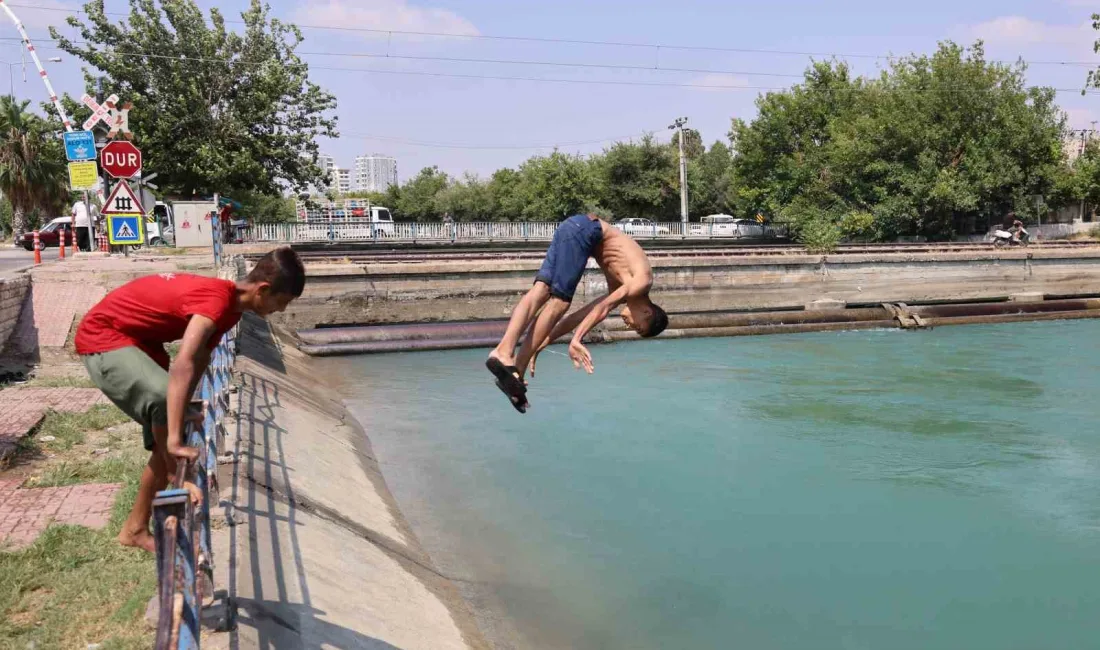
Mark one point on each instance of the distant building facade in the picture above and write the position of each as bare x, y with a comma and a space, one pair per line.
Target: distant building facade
375, 173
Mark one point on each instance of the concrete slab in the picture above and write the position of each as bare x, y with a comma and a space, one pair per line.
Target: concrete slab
320, 555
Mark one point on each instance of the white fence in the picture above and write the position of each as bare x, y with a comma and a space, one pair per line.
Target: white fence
1045, 231
365, 230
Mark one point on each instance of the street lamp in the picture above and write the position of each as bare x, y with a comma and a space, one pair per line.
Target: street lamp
11, 76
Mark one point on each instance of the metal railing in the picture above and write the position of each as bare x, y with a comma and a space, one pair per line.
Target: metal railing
185, 561
184, 554
385, 231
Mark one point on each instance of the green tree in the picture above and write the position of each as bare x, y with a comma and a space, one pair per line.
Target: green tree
709, 180
215, 110
1093, 80
32, 168
549, 188
933, 146
265, 208
639, 179
693, 144
5, 217
418, 198
468, 199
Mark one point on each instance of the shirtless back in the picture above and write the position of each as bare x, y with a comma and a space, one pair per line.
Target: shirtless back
622, 260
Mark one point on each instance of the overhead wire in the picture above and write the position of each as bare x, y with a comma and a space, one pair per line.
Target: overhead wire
604, 82
474, 147
574, 41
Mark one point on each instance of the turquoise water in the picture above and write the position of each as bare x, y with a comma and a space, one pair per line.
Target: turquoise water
837, 490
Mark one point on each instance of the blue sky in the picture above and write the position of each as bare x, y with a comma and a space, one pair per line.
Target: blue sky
400, 109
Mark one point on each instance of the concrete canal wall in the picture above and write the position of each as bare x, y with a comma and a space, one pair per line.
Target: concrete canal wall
340, 293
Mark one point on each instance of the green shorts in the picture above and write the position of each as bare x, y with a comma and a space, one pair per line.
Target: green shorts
135, 383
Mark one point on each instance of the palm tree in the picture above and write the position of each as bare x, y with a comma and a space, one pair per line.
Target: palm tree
32, 174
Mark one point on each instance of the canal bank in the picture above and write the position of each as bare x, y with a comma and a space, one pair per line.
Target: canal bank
319, 554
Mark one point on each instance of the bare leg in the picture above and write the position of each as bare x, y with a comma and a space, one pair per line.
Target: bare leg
522, 315
542, 327
135, 532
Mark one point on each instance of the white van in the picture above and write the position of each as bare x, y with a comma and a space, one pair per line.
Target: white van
715, 225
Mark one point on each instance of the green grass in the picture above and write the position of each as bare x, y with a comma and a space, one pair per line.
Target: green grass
69, 428
110, 470
76, 586
65, 381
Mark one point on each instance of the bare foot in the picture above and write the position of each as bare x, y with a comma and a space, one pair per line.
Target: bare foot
141, 539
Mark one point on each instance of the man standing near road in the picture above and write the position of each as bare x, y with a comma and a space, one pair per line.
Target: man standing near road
83, 225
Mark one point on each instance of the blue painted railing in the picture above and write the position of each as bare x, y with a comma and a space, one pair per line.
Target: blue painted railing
185, 559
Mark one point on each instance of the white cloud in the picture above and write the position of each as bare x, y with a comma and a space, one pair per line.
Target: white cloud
397, 15
721, 82
1019, 32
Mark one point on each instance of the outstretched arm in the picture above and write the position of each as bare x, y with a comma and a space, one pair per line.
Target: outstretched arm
570, 322
183, 377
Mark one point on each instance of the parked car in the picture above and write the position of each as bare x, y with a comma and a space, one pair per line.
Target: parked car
50, 235
715, 225
637, 226
749, 228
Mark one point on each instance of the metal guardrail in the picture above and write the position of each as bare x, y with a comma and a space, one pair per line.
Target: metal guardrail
184, 554
185, 561
366, 230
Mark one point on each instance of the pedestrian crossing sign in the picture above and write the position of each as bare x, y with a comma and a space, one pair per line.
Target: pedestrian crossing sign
125, 229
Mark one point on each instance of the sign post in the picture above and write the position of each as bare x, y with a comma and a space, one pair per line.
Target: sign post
119, 159
125, 217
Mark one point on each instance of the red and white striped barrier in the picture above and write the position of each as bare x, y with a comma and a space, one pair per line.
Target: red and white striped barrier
37, 249
41, 70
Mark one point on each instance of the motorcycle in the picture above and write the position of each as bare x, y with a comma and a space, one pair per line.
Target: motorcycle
1003, 238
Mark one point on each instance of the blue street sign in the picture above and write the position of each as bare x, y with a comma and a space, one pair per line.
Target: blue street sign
80, 145
125, 229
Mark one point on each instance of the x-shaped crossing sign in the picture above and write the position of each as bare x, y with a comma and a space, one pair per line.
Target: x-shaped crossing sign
118, 119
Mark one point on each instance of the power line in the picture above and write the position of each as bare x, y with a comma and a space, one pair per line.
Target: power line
442, 145
600, 82
572, 41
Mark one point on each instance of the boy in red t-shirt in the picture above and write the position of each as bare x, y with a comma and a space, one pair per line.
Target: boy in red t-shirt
121, 341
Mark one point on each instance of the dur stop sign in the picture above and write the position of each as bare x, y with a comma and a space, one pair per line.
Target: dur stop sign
120, 159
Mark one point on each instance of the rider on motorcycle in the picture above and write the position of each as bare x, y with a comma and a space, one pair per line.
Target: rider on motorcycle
1019, 233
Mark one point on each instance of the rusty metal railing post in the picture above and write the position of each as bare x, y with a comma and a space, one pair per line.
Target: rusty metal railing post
185, 561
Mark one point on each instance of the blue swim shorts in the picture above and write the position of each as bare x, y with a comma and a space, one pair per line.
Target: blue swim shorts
568, 255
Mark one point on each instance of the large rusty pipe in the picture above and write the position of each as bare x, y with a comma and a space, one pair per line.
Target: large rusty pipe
405, 332
488, 329
485, 334
409, 345
752, 330
992, 319
981, 309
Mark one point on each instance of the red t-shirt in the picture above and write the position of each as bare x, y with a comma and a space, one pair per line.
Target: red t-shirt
151, 311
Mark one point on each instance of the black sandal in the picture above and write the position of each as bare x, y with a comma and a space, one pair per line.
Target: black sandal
509, 383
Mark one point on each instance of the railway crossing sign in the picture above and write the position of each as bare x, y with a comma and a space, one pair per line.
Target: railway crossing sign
122, 201
120, 159
79, 146
116, 118
125, 229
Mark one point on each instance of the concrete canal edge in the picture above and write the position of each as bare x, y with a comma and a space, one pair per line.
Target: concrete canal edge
314, 551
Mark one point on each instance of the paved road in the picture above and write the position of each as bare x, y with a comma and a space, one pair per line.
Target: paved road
12, 258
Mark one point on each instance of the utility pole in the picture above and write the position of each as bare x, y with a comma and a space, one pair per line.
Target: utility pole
678, 125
